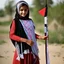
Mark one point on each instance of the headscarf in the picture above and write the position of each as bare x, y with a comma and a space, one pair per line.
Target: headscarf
17, 15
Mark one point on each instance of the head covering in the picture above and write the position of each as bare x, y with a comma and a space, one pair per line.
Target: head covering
18, 5
21, 3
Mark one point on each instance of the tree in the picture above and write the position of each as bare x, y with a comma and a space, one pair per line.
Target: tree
60, 13
35, 15
9, 8
2, 14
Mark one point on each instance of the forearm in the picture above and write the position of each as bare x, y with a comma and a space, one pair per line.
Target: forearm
23, 40
17, 38
14, 37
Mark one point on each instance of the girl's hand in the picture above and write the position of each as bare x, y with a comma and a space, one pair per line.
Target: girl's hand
29, 42
43, 37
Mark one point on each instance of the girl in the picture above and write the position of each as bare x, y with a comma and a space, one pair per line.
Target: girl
23, 36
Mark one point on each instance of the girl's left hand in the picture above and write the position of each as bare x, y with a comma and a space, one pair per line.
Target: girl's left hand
43, 37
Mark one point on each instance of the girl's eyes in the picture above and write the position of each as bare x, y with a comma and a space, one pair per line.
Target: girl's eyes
23, 9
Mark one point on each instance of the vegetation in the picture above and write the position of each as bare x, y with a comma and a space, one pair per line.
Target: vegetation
60, 13
2, 13
56, 37
57, 12
4, 23
4, 32
9, 8
2, 42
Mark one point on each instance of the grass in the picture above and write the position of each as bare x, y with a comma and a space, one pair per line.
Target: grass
5, 23
56, 37
3, 32
2, 42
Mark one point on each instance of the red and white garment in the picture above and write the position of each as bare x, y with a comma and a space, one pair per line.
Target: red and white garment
27, 55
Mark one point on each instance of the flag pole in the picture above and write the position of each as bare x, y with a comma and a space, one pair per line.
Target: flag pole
44, 12
46, 34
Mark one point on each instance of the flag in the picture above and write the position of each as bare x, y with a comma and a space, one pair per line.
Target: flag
42, 11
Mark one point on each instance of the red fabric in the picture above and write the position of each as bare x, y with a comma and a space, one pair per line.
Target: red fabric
14, 59
28, 59
12, 32
42, 11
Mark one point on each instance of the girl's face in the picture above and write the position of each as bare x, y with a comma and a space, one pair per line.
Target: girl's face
23, 11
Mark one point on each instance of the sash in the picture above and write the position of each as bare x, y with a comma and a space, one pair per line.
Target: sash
29, 29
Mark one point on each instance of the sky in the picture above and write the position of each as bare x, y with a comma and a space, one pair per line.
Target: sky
2, 2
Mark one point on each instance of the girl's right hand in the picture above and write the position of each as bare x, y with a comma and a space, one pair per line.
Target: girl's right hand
30, 42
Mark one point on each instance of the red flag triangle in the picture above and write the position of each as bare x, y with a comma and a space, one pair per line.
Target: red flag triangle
42, 11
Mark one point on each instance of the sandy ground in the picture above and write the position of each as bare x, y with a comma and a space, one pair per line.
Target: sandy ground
56, 52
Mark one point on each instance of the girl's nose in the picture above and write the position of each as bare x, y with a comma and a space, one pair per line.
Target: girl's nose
23, 11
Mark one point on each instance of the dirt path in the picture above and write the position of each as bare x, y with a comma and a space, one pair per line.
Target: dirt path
56, 54
6, 51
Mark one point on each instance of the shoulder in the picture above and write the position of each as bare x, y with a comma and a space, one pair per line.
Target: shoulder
12, 23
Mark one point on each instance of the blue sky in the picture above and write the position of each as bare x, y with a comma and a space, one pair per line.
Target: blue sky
2, 2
